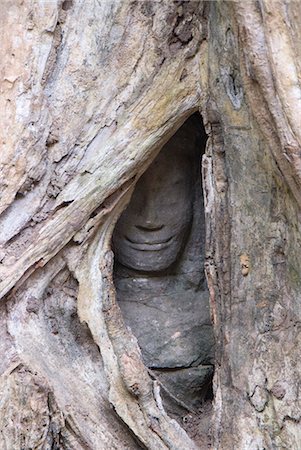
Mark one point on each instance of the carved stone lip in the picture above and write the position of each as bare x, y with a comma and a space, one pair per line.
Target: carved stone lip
149, 246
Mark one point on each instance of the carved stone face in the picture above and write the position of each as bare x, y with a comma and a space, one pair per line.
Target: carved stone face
153, 229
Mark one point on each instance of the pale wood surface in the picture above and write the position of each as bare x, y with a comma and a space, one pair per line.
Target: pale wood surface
90, 91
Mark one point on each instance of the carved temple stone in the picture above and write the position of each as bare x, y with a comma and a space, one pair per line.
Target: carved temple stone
159, 275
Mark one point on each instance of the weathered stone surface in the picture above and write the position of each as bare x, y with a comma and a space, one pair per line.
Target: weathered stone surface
190, 386
166, 305
170, 320
152, 232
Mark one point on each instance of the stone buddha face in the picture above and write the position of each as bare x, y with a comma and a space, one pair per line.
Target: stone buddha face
153, 229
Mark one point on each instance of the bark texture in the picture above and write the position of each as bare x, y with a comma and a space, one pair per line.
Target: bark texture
91, 91
253, 189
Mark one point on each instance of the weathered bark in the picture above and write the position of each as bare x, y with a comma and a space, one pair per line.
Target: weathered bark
253, 192
90, 93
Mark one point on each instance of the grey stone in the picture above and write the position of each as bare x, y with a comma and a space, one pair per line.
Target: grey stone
159, 275
153, 229
189, 386
171, 321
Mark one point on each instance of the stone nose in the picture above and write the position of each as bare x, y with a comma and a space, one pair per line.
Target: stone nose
150, 218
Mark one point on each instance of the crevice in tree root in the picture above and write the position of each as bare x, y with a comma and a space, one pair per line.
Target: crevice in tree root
72, 428
173, 397
67, 4
134, 436
288, 418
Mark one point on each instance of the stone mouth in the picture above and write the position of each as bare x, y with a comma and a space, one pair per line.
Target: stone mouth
149, 245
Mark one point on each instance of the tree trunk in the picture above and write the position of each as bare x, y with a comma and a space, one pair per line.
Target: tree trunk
91, 91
